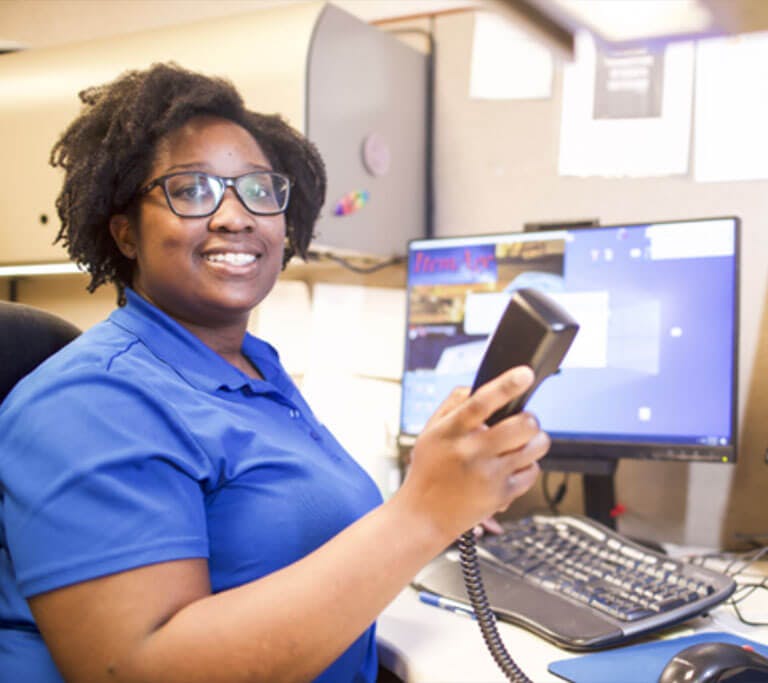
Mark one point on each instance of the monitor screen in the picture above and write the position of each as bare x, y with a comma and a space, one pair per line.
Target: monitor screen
652, 372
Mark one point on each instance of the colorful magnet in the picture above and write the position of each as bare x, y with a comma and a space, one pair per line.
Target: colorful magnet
351, 202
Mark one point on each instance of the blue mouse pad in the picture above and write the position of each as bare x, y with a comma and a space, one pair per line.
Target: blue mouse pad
642, 663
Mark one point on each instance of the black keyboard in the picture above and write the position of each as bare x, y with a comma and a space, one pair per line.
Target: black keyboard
580, 584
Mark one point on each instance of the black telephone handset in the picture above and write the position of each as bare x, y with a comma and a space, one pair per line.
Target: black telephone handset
533, 331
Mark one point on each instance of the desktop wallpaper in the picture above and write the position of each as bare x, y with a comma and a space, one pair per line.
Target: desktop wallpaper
654, 357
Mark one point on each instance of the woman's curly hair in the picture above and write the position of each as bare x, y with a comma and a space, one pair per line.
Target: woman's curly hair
108, 150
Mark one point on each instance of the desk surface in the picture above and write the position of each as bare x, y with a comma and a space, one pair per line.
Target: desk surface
425, 644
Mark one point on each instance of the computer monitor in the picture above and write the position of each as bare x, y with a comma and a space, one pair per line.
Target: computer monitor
653, 371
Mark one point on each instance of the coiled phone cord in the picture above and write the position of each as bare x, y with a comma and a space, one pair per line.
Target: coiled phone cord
486, 619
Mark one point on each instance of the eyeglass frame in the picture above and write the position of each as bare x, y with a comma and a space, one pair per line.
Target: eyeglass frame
226, 182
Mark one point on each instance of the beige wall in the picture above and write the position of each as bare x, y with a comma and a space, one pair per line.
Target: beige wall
66, 296
504, 156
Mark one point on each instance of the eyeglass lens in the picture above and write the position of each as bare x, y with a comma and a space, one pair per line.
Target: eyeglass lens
199, 194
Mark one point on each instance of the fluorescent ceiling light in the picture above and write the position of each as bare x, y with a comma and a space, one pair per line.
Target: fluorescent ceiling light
39, 269
632, 23
630, 20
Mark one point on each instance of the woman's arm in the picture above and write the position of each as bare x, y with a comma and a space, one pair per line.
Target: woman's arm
161, 623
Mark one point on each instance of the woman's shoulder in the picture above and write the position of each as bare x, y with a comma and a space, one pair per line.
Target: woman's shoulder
98, 350
103, 354
103, 387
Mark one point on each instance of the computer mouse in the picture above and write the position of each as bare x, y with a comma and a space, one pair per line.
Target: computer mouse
716, 662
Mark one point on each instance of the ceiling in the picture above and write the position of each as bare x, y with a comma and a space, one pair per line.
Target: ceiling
43, 23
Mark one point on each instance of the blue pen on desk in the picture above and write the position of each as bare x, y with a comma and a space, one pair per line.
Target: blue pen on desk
446, 604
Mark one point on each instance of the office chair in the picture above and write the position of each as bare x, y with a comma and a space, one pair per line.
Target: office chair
28, 336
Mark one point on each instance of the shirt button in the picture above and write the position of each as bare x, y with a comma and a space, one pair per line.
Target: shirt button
315, 435
293, 413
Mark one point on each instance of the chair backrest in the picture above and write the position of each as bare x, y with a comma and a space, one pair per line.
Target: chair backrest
28, 336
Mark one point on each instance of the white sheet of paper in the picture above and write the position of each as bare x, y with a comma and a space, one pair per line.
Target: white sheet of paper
506, 63
358, 330
363, 414
283, 319
628, 147
731, 108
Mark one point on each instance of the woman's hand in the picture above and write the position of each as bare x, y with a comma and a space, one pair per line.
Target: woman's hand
489, 525
463, 471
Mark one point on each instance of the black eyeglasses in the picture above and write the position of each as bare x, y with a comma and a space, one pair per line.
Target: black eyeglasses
193, 194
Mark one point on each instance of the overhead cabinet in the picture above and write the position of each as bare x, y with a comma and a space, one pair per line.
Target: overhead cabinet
355, 90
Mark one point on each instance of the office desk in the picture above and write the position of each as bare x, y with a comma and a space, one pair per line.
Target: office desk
425, 644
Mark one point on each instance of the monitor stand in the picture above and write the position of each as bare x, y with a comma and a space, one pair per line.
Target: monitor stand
597, 483
598, 488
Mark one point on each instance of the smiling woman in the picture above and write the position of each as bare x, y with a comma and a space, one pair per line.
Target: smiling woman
109, 154
206, 262
172, 509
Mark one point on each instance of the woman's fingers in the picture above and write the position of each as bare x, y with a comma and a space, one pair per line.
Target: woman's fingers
453, 400
531, 452
520, 468
463, 471
510, 434
519, 482
489, 524
474, 411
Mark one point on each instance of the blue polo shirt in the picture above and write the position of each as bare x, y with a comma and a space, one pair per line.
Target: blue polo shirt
138, 444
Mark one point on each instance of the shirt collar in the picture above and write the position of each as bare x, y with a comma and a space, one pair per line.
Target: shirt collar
200, 365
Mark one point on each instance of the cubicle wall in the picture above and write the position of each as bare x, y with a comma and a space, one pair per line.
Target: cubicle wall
497, 169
